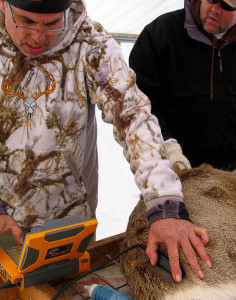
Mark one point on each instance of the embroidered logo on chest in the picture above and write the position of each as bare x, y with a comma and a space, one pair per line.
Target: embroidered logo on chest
30, 103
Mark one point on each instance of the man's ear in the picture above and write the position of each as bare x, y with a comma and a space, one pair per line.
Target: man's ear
2, 6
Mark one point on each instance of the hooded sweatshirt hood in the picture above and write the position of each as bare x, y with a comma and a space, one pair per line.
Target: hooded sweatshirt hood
195, 29
75, 15
229, 36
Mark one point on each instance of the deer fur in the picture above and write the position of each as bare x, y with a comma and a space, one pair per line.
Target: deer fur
210, 197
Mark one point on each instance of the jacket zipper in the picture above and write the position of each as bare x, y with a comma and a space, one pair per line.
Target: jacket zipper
220, 61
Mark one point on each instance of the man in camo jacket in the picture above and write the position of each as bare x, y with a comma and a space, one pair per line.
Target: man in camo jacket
56, 65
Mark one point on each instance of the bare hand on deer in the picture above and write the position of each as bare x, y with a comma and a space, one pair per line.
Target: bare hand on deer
9, 224
177, 233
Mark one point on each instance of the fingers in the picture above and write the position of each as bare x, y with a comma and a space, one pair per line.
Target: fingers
177, 234
196, 243
202, 232
152, 245
199, 244
190, 255
9, 224
173, 254
151, 251
17, 233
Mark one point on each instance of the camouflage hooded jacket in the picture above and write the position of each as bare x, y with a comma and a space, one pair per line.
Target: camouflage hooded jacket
48, 166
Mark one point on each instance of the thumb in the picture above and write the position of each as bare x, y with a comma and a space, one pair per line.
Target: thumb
17, 233
202, 232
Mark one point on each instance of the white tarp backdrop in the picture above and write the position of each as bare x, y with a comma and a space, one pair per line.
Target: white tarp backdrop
118, 193
129, 16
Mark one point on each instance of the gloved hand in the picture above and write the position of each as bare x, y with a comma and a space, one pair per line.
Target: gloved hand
176, 157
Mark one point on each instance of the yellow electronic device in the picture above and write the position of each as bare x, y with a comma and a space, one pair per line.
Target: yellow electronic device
54, 250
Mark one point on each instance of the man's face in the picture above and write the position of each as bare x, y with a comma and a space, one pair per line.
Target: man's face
215, 19
36, 43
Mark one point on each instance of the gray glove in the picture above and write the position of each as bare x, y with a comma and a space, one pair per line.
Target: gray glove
176, 157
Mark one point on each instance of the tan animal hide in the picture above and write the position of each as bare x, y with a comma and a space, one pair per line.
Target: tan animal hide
210, 197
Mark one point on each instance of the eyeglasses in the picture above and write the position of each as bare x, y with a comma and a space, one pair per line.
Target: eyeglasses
223, 4
34, 31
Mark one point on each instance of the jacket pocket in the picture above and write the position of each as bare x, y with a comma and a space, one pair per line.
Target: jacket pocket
41, 184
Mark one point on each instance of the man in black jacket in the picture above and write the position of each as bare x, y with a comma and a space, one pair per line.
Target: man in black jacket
185, 63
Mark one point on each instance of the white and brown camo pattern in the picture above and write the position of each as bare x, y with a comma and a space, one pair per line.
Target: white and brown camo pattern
52, 115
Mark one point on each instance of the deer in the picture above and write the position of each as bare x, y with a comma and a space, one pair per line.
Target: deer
210, 198
30, 103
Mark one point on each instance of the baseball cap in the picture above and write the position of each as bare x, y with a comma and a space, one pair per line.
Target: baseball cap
41, 6
232, 3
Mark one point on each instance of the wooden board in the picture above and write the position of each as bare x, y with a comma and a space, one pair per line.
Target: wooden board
110, 275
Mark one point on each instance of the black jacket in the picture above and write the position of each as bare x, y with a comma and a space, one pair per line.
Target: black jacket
174, 71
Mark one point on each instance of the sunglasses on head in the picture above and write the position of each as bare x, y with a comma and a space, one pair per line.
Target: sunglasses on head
223, 4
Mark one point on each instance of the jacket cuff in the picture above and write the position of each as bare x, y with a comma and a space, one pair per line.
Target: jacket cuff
170, 209
3, 210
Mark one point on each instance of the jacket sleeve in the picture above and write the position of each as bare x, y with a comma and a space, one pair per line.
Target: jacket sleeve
144, 60
113, 88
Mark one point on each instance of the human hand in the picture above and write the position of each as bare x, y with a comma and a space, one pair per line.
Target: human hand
9, 224
177, 233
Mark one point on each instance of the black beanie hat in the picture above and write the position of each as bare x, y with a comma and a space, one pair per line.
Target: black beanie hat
41, 6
